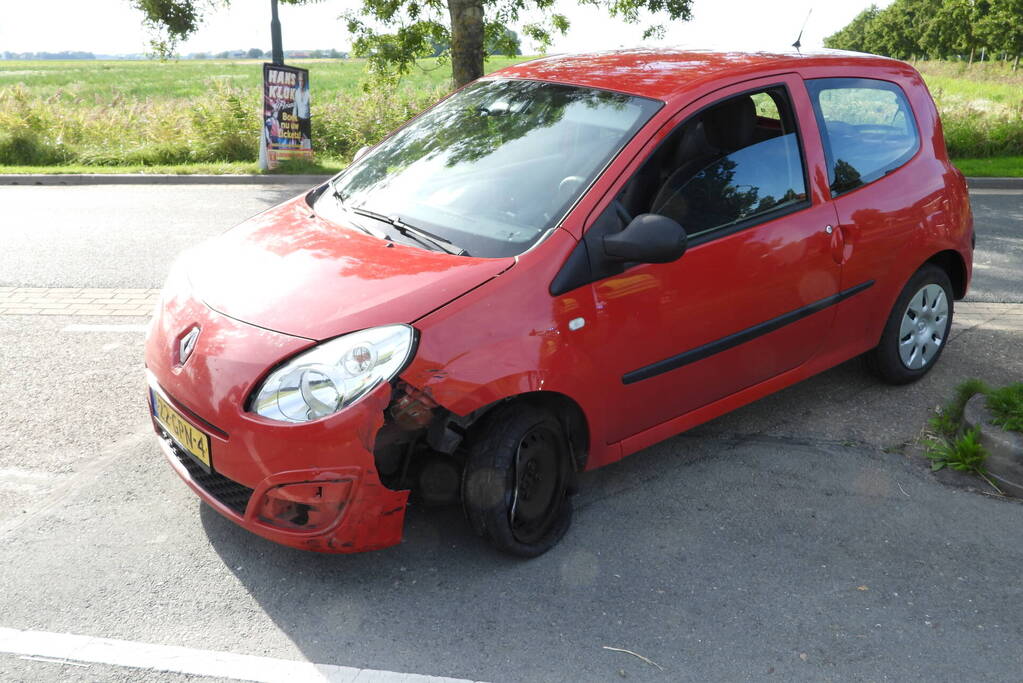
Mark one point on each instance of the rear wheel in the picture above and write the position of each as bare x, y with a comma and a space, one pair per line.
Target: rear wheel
515, 487
917, 328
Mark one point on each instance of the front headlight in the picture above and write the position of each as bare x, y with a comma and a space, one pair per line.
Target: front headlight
334, 375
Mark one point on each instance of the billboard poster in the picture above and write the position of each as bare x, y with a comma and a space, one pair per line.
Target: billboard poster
286, 119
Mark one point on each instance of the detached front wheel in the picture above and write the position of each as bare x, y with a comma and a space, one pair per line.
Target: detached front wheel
515, 487
917, 328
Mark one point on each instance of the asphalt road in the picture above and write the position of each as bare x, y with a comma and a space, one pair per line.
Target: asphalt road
793, 539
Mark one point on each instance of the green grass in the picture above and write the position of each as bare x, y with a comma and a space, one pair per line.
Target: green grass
201, 116
949, 418
996, 167
949, 445
981, 108
71, 114
320, 167
1006, 406
110, 82
961, 453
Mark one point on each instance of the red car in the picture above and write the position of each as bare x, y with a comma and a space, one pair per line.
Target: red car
556, 266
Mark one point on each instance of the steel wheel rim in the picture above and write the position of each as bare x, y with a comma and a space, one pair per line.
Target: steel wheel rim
923, 326
539, 484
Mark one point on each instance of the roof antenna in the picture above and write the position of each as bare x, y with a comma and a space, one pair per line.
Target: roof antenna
797, 44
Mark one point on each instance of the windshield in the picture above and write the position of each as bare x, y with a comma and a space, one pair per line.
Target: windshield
496, 165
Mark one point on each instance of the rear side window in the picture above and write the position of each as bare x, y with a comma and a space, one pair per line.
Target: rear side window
867, 129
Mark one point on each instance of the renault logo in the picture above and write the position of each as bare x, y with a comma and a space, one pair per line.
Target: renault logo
187, 344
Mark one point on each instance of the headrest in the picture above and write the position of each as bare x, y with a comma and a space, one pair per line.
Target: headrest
729, 126
693, 145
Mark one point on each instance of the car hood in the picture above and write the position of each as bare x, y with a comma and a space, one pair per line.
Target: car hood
291, 271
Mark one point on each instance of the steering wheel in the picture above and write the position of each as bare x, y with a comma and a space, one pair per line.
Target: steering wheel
569, 183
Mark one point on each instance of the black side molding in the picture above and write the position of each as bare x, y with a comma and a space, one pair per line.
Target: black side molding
741, 337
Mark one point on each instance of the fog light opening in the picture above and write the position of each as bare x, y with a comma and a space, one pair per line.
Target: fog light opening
306, 506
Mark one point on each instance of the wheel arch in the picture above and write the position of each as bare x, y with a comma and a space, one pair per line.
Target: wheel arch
568, 412
952, 262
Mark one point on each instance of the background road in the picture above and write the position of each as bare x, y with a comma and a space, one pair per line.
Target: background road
793, 538
126, 235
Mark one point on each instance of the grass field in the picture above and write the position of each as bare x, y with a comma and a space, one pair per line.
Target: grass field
101, 82
152, 114
981, 109
201, 116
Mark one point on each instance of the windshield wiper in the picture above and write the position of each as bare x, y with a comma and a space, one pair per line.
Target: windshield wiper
341, 202
416, 233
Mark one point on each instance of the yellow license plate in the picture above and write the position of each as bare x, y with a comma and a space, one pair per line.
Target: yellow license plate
194, 441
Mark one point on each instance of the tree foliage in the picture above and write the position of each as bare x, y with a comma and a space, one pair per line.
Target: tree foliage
171, 21
393, 34
935, 28
853, 35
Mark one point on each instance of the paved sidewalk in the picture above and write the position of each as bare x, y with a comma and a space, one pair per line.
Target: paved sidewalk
989, 316
77, 301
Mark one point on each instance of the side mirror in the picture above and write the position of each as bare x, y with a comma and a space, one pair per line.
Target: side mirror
648, 238
360, 153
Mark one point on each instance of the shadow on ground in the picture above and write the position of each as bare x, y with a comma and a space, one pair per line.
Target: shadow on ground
778, 539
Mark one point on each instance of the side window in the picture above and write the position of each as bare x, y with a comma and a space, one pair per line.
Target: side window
867, 128
734, 162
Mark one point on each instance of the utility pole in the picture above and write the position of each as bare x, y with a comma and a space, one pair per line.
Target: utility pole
277, 57
277, 47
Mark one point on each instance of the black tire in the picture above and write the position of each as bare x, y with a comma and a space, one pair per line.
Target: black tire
515, 485
885, 359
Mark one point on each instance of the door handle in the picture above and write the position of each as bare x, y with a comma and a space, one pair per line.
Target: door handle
838, 245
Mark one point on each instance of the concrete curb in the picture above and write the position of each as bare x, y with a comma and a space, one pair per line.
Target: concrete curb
1005, 449
995, 183
158, 179
301, 180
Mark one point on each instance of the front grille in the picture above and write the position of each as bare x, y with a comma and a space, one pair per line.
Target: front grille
227, 491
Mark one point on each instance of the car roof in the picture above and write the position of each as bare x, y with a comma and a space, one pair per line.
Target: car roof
663, 72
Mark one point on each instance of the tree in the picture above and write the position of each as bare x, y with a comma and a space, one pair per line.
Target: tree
254, 53
896, 30
1001, 28
853, 36
393, 34
936, 28
508, 44
949, 30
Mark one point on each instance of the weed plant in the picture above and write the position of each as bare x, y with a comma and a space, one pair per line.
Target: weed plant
1006, 406
949, 418
963, 453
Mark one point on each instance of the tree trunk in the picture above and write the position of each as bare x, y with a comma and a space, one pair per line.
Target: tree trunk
466, 40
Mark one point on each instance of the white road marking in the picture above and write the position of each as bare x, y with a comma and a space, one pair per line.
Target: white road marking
54, 661
184, 660
24, 481
106, 328
29, 475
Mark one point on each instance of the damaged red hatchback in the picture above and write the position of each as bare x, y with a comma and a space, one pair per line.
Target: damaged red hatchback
555, 267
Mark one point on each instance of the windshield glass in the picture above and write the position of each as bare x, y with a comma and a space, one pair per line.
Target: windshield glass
496, 165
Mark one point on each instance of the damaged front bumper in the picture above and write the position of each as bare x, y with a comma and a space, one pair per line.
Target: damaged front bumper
336, 508
313, 485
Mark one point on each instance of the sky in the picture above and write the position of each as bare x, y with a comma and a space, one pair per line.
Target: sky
113, 27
